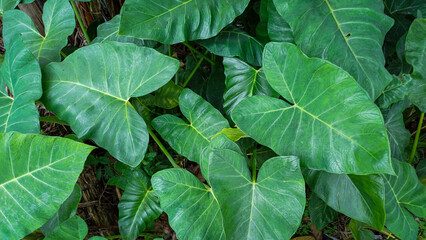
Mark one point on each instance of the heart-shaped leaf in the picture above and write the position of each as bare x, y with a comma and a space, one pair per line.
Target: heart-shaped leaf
404, 194
176, 21
278, 28
95, 99
138, 207
243, 81
320, 213
38, 174
21, 74
327, 119
233, 42
59, 23
189, 139
347, 33
193, 210
73, 228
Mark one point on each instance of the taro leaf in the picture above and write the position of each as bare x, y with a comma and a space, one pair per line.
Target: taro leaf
262, 26
190, 139
403, 7
168, 96
127, 174
216, 86
395, 91
404, 193
95, 99
278, 28
40, 170
415, 53
359, 197
66, 211
6, 5
174, 21
97, 238
270, 207
21, 74
193, 210
232, 42
233, 134
421, 171
108, 31
320, 213
138, 207
347, 33
399, 136
331, 123
74, 228
59, 23
358, 231
243, 81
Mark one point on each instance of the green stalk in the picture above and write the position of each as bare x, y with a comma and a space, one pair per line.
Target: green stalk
170, 50
77, 14
253, 165
63, 55
197, 52
163, 149
416, 139
193, 72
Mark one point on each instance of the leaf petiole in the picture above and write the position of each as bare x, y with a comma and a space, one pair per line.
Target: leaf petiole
83, 29
416, 139
197, 52
163, 149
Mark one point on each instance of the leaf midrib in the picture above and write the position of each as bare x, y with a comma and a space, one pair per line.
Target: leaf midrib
169, 10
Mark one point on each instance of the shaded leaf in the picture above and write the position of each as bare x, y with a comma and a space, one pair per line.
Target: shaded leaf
358, 231
421, 171
320, 213
395, 91
6, 5
278, 28
403, 7
74, 228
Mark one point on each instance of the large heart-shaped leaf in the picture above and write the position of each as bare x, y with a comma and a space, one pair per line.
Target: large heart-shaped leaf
415, 53
138, 207
320, 213
189, 139
21, 74
7, 5
243, 81
330, 123
347, 33
233, 42
269, 207
174, 21
193, 210
358, 197
38, 174
91, 89
404, 193
278, 28
59, 23
108, 31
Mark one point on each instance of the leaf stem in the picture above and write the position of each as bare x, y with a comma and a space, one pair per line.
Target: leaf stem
170, 50
63, 55
416, 139
193, 72
253, 165
163, 149
77, 14
197, 52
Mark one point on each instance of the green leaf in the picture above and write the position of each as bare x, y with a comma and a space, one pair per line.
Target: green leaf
399, 136
59, 23
358, 231
38, 174
243, 81
415, 53
233, 134
174, 21
189, 139
6, 5
108, 31
21, 74
168, 96
403, 7
320, 213
278, 28
97, 238
138, 207
192, 208
94, 99
395, 91
404, 193
359, 197
74, 228
270, 207
330, 123
127, 174
233, 42
421, 171
66, 211
347, 33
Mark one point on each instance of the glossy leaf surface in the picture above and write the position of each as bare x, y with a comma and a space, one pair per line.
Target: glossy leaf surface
278, 28
404, 194
6, 5
403, 7
138, 207
59, 23
243, 81
38, 174
329, 112
320, 213
174, 21
347, 33
233, 42
395, 91
193, 210
95, 99
21, 74
189, 139
72, 229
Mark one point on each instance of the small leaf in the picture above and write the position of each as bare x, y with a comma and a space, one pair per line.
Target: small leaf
168, 96
320, 213
6, 5
74, 228
234, 134
403, 7
278, 28
395, 91
358, 231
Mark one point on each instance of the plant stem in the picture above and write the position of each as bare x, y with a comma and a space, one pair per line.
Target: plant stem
253, 164
163, 149
63, 55
77, 14
416, 139
170, 50
193, 72
197, 52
